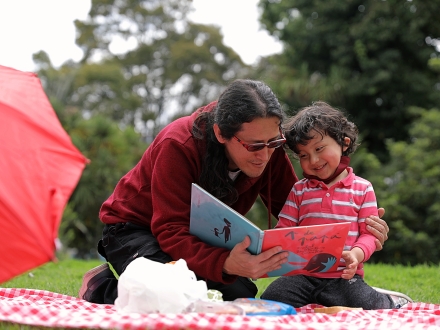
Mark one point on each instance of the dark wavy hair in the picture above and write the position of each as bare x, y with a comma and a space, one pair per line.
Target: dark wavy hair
323, 119
241, 102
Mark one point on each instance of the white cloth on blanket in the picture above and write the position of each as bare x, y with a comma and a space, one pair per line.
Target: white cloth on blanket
148, 286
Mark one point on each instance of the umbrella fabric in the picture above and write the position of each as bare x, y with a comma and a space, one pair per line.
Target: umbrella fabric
39, 168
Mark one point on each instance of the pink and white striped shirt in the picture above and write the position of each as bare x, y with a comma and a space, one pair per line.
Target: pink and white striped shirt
311, 202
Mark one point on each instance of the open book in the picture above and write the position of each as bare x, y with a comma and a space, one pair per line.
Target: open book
311, 248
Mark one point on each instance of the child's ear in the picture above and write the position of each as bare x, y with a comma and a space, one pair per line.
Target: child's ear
346, 143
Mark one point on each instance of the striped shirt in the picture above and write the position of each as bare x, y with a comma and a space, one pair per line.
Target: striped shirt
311, 202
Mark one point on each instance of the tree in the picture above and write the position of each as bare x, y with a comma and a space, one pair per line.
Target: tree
411, 194
57, 83
112, 152
110, 102
368, 57
172, 67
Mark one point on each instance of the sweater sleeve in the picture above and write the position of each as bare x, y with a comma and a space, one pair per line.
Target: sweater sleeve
174, 170
366, 240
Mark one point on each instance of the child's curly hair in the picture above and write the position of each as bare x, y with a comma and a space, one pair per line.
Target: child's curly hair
323, 119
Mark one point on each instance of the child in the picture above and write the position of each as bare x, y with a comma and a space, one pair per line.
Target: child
322, 138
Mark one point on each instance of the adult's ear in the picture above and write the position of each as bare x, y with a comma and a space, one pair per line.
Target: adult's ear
218, 134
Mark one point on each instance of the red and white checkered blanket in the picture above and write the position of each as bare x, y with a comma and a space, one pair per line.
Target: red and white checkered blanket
44, 308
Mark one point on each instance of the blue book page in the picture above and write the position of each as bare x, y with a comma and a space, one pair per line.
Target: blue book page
219, 225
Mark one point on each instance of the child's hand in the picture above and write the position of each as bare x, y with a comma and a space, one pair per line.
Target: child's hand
351, 263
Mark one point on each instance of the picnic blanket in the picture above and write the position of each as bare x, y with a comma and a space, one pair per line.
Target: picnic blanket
49, 309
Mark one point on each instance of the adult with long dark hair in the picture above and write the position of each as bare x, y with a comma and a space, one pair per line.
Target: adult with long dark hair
230, 148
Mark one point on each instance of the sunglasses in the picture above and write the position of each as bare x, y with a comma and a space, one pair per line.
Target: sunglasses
258, 146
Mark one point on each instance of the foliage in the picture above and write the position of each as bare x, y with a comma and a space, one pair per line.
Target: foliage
258, 214
57, 83
434, 64
112, 148
110, 101
172, 66
411, 195
368, 57
112, 153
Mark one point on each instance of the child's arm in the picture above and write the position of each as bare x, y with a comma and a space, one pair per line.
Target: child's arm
366, 240
365, 245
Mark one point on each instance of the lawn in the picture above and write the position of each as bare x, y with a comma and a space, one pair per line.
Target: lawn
421, 282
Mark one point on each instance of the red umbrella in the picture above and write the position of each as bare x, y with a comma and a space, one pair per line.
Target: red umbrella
39, 168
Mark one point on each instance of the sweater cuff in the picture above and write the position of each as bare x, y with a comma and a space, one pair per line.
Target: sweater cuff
228, 279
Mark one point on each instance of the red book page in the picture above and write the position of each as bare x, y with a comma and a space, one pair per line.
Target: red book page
312, 249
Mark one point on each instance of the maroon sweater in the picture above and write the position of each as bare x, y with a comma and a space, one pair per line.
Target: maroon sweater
156, 194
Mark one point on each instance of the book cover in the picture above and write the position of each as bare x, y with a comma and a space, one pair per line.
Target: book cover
216, 223
311, 248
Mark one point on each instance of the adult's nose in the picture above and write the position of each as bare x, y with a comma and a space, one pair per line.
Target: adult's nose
265, 153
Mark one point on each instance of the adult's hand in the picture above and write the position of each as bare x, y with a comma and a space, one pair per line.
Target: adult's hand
378, 228
240, 262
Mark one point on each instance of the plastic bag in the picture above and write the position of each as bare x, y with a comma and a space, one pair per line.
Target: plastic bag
151, 287
264, 307
242, 306
216, 307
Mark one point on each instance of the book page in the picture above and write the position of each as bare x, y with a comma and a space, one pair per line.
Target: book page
311, 249
219, 225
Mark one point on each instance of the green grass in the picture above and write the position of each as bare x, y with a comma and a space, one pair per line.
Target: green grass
421, 283
62, 277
